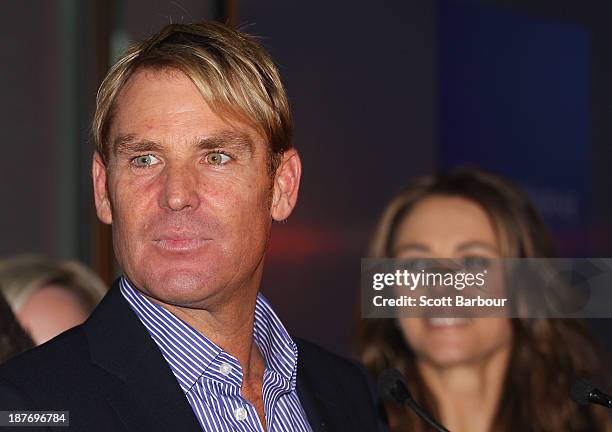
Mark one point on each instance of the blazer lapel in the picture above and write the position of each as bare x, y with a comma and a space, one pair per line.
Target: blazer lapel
321, 401
145, 395
313, 405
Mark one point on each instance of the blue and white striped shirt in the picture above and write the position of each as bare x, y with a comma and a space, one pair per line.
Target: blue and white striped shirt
211, 378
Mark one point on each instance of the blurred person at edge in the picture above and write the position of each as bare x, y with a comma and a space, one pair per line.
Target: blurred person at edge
480, 374
13, 338
49, 297
194, 162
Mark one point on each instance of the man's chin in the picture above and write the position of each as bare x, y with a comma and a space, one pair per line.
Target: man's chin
179, 286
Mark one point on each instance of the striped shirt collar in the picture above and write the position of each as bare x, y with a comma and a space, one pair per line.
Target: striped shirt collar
191, 355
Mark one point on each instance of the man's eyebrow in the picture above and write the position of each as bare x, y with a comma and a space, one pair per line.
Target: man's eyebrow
237, 141
131, 144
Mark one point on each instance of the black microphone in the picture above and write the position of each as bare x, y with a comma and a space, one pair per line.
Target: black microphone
584, 393
391, 385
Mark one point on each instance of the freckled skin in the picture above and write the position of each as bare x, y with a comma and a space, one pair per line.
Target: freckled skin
191, 223
228, 207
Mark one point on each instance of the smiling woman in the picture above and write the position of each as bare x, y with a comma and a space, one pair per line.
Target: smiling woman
479, 374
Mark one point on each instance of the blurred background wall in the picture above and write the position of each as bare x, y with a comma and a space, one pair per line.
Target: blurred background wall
382, 91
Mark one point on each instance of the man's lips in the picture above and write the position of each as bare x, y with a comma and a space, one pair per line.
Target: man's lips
180, 243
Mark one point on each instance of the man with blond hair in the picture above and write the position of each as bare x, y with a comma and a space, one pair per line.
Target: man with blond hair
193, 163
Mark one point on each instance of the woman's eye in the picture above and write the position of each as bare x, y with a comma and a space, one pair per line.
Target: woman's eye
145, 161
417, 264
476, 263
217, 158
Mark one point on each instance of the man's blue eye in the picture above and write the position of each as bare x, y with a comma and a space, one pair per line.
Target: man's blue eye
145, 161
217, 158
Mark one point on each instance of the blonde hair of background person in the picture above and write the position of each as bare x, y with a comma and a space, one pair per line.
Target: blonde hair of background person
49, 296
545, 356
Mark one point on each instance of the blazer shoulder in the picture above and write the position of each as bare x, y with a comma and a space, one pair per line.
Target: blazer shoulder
315, 356
340, 382
53, 363
56, 353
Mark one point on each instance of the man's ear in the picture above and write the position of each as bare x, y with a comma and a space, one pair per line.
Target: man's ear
286, 185
103, 205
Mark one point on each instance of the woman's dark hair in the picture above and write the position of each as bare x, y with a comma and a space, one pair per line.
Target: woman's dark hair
548, 355
13, 338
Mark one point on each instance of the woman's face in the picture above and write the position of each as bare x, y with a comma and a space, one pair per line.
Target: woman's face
450, 227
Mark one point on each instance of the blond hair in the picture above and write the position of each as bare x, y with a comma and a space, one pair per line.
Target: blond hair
23, 275
233, 72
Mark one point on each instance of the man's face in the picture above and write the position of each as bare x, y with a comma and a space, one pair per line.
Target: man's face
188, 193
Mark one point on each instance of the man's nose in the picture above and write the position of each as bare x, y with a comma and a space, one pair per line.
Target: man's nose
180, 188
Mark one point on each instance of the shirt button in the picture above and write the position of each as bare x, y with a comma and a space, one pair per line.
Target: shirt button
240, 414
225, 369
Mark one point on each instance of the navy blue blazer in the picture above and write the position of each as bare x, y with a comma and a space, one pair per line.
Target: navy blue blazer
111, 376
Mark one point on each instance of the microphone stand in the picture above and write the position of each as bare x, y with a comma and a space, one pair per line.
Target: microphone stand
392, 386
419, 411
